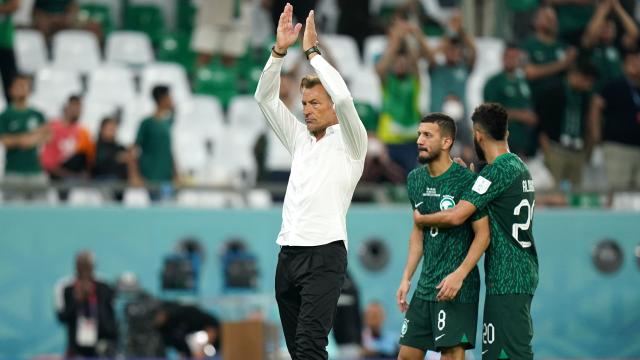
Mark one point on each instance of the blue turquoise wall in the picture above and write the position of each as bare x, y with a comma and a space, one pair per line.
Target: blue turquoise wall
577, 311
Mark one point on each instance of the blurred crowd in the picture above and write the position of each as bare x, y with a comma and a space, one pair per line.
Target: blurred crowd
568, 73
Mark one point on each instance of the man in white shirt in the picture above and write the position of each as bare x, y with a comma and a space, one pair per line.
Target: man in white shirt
328, 158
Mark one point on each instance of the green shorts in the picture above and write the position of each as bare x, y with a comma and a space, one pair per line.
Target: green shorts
507, 329
431, 325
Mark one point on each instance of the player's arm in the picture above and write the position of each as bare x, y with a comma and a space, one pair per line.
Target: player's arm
354, 135
279, 118
413, 259
455, 216
451, 284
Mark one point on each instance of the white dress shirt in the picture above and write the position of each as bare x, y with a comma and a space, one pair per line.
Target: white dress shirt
324, 173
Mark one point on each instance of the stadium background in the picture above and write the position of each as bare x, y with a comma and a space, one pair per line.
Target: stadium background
579, 311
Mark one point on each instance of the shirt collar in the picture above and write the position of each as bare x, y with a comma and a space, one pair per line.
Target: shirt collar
330, 130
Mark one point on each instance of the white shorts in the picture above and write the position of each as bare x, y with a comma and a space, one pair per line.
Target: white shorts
219, 39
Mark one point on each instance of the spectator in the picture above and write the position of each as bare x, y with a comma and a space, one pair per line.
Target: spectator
7, 57
70, 153
511, 90
112, 158
219, 31
376, 341
548, 57
152, 149
600, 37
22, 131
51, 16
85, 307
449, 80
573, 16
615, 120
177, 322
398, 72
564, 112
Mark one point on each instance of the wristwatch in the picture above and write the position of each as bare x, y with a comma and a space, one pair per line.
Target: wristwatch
313, 49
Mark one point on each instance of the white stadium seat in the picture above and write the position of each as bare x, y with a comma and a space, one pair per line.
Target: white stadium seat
129, 47
76, 50
374, 46
344, 50
111, 83
30, 50
202, 114
245, 117
93, 111
170, 74
365, 87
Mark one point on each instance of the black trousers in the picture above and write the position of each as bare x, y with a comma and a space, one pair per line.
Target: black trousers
7, 70
308, 283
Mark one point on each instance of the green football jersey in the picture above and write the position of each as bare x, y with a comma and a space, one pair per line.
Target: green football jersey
444, 249
19, 122
506, 190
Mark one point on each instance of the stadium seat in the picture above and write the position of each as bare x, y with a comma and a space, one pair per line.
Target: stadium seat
85, 197
259, 199
490, 52
97, 13
202, 114
133, 113
52, 88
374, 46
129, 47
30, 50
172, 75
93, 111
136, 197
111, 83
240, 163
146, 18
174, 47
344, 50
245, 117
278, 158
366, 88
217, 80
190, 151
208, 199
76, 50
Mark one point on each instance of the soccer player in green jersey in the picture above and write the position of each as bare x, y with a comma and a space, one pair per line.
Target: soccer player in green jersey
443, 312
505, 189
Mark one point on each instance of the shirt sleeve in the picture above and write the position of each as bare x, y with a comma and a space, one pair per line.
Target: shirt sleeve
353, 132
279, 117
489, 185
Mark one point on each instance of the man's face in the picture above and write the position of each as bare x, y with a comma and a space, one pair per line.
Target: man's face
20, 89
477, 139
430, 142
511, 59
109, 131
318, 109
374, 316
401, 65
73, 110
547, 22
452, 52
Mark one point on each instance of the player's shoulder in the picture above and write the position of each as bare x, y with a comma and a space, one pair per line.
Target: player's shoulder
462, 173
509, 166
416, 173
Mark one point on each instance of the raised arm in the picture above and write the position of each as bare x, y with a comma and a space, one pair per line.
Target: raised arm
353, 132
630, 38
280, 119
596, 25
537, 71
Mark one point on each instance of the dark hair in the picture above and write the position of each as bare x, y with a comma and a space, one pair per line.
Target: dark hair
511, 45
20, 76
445, 123
492, 118
74, 98
587, 68
159, 92
631, 52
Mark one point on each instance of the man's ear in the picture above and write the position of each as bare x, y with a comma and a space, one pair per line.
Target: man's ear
447, 143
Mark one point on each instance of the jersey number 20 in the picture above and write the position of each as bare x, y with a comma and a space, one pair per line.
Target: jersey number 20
525, 226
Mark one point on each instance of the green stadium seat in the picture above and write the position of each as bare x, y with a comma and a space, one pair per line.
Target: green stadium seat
174, 47
147, 19
250, 67
97, 13
186, 13
219, 81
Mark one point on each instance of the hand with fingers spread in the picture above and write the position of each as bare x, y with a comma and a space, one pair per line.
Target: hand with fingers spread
287, 33
449, 286
310, 38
